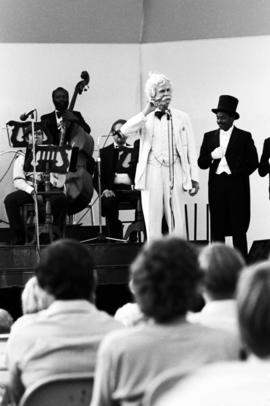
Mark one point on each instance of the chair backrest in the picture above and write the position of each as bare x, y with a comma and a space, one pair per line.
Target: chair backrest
3, 344
161, 385
60, 390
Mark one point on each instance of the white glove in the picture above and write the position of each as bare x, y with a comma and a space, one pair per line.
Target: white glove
217, 153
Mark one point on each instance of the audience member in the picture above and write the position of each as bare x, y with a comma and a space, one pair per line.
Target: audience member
165, 276
34, 298
221, 266
236, 383
6, 321
64, 337
130, 314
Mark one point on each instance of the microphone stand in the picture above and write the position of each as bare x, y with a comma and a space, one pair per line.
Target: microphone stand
35, 183
171, 166
100, 237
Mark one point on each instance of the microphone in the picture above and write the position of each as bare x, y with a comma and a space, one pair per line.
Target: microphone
119, 135
169, 114
25, 116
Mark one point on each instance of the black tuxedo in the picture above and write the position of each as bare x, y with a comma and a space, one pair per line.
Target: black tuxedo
50, 126
108, 162
229, 195
264, 167
109, 159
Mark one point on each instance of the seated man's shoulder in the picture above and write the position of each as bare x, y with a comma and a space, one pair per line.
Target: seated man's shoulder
222, 340
23, 329
104, 317
127, 339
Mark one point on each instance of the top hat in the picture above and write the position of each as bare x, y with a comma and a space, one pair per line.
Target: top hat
227, 104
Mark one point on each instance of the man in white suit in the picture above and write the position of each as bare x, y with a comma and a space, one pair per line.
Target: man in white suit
167, 163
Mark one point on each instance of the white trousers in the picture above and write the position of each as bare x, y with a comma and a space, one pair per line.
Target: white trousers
156, 200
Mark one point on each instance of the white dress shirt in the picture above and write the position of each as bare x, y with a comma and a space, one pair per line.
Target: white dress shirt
224, 138
218, 314
123, 178
159, 154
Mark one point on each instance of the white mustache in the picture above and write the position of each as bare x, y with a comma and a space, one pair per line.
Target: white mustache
165, 98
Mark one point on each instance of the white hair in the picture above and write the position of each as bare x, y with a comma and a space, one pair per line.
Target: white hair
154, 80
34, 298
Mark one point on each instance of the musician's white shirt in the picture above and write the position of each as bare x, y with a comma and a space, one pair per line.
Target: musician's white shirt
22, 180
59, 121
123, 178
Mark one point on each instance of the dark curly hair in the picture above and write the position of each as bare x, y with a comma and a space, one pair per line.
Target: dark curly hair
164, 277
66, 270
253, 302
119, 121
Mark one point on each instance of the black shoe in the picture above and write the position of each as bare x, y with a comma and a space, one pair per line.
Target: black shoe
133, 237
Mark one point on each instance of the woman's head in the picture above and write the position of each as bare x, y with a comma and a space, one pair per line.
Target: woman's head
66, 270
221, 266
253, 300
164, 278
34, 298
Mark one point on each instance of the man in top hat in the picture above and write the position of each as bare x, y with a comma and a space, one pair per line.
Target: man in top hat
231, 156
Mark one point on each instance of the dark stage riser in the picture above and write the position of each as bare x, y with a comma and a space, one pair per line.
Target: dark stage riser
112, 263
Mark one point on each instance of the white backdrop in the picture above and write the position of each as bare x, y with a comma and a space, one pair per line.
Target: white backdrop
29, 73
200, 71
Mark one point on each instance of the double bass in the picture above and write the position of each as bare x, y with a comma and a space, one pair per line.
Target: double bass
78, 181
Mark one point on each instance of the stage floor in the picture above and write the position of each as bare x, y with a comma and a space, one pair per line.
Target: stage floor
112, 261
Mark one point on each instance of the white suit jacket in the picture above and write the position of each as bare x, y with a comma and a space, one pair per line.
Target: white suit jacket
184, 142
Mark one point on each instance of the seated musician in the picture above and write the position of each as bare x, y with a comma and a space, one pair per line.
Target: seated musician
117, 170
24, 183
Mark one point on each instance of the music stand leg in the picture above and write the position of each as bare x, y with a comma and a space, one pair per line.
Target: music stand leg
101, 237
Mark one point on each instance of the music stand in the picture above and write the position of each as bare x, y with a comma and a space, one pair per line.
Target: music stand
48, 159
18, 132
18, 137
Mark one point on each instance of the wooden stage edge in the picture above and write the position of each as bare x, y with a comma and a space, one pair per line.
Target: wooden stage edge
112, 262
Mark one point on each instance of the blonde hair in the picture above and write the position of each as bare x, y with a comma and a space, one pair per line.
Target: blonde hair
34, 298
